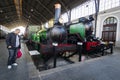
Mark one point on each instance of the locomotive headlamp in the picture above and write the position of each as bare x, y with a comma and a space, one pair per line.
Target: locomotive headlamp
61, 20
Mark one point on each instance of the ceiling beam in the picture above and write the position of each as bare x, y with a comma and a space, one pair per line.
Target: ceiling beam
50, 12
35, 10
8, 22
30, 19
31, 15
27, 20
63, 4
7, 13
11, 22
14, 24
18, 5
39, 14
6, 7
9, 17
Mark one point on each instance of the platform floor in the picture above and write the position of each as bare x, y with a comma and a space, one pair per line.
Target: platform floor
25, 69
102, 68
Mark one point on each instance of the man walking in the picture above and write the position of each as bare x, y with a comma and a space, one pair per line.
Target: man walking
13, 44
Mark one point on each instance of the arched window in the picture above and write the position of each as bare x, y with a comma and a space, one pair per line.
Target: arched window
109, 29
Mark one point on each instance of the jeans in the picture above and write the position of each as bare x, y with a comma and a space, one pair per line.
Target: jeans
12, 56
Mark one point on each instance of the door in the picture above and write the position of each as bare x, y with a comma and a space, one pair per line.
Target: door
109, 29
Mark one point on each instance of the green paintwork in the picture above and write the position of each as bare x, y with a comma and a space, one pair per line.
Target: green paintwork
40, 35
33, 36
43, 34
37, 39
78, 28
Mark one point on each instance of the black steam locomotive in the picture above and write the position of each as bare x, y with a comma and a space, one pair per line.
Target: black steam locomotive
70, 37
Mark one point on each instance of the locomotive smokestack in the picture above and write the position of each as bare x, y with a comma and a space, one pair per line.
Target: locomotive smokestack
57, 13
57, 33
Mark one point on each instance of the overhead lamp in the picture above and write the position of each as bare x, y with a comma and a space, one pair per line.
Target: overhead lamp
1, 11
6, 17
29, 16
31, 10
87, 5
28, 20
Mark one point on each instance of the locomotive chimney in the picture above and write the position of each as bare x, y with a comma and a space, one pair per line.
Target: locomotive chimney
57, 13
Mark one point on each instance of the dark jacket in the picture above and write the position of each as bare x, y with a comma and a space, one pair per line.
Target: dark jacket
11, 40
